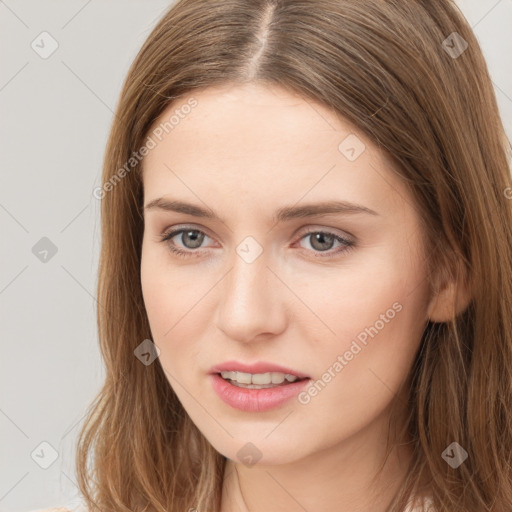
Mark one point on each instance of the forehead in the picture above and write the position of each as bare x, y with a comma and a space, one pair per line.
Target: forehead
259, 143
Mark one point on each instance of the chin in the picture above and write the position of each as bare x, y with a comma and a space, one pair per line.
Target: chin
259, 453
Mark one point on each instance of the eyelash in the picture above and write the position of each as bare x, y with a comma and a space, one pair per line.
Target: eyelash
167, 236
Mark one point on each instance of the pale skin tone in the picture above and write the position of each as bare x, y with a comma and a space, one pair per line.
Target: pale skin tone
244, 152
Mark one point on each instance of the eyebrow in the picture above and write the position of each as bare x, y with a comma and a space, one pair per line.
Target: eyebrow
283, 214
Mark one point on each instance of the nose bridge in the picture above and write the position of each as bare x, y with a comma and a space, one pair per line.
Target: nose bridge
249, 302
247, 275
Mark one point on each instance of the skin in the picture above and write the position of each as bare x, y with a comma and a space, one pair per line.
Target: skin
244, 152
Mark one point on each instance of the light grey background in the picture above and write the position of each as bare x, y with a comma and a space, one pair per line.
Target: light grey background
55, 118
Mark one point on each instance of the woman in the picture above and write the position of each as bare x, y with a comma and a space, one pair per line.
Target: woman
305, 285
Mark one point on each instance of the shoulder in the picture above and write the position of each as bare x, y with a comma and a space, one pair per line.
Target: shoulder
68, 507
425, 505
51, 509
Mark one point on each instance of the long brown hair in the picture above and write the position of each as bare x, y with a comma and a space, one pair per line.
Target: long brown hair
411, 76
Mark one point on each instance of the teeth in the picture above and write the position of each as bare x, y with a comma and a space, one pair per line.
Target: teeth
259, 378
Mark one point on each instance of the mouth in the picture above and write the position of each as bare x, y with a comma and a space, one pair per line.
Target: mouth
259, 380
257, 375
262, 392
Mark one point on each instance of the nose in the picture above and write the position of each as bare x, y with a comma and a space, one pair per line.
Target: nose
251, 301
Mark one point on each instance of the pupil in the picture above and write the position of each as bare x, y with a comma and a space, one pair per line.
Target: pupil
197, 239
322, 237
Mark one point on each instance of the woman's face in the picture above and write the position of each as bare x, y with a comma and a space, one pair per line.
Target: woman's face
339, 295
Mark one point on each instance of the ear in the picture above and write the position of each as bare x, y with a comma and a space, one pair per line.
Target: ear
451, 294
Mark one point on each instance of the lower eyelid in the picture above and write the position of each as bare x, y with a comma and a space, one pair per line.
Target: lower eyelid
339, 238
168, 236
345, 246
345, 242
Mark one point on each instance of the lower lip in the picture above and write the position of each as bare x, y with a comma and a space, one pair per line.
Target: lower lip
255, 400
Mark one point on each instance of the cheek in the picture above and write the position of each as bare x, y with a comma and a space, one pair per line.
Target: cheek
173, 308
377, 313
360, 372
156, 301
163, 290
384, 286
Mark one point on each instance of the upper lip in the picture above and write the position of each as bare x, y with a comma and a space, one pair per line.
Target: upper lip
258, 367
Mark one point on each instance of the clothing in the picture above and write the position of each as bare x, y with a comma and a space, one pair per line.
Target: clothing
427, 505
70, 506
78, 506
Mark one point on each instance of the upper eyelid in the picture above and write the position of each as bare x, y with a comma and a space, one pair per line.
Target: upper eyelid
301, 232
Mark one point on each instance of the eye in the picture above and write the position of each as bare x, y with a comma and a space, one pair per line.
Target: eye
320, 241
191, 238
323, 241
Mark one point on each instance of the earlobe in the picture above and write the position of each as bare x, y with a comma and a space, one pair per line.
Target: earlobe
449, 299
